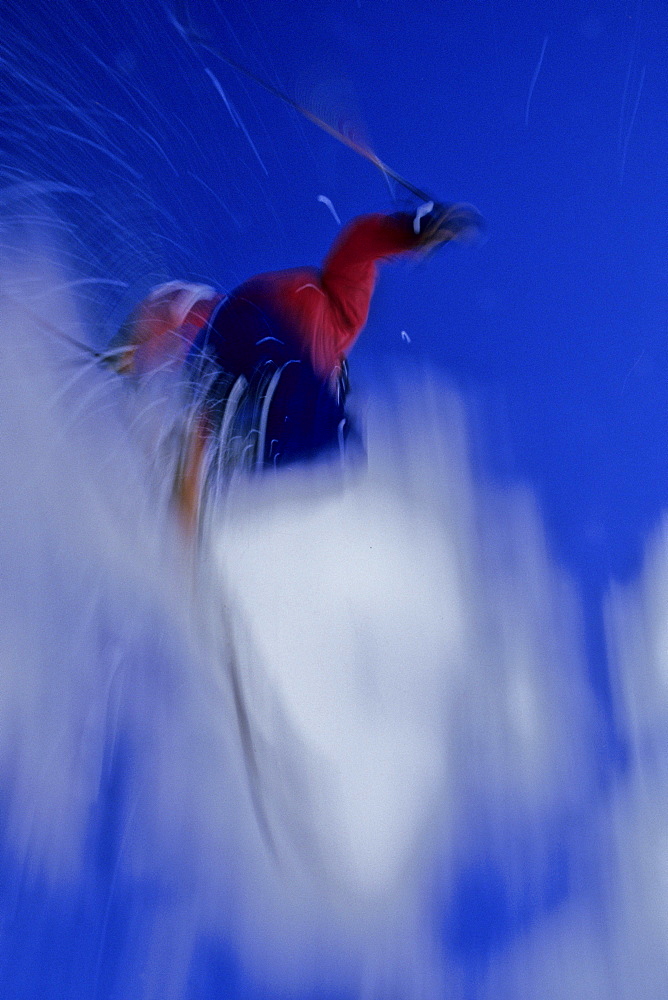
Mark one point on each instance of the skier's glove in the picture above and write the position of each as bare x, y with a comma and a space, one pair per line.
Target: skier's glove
435, 223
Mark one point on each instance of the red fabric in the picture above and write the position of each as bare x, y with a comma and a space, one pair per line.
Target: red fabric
326, 310
323, 310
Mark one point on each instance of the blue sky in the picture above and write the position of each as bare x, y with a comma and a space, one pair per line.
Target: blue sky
559, 320
558, 323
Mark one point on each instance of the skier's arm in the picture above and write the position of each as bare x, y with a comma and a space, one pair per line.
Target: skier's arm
349, 271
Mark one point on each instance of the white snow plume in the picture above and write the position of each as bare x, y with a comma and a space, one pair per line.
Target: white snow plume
637, 619
638, 633
609, 939
116, 761
295, 768
420, 643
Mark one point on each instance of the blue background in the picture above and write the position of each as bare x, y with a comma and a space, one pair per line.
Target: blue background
559, 320
557, 325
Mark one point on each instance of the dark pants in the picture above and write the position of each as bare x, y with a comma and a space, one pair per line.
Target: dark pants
285, 412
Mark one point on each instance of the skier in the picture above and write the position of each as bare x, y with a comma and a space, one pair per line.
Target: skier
266, 364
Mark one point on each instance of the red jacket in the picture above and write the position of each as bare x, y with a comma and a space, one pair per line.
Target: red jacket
324, 310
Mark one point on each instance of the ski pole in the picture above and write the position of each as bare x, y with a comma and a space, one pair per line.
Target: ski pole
184, 25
